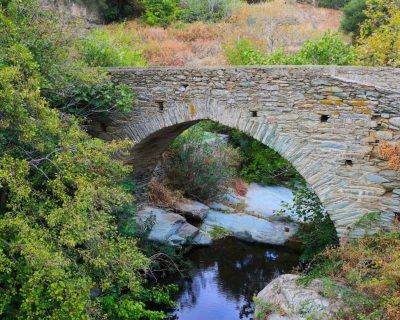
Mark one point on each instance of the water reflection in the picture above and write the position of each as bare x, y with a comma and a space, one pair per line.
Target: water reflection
225, 278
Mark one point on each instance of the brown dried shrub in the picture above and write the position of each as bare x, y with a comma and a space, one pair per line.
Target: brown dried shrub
391, 153
240, 187
369, 266
162, 196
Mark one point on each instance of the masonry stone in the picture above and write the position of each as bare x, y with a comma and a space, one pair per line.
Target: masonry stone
327, 121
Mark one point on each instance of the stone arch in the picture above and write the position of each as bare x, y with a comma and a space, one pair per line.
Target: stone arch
326, 121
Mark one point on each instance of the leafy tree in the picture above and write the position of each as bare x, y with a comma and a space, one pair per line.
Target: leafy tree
62, 192
353, 16
379, 41
161, 12
317, 230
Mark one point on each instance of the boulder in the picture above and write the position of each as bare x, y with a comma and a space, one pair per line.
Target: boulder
250, 228
202, 239
221, 207
166, 227
192, 209
284, 299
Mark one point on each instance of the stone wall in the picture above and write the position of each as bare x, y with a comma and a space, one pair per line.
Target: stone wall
327, 121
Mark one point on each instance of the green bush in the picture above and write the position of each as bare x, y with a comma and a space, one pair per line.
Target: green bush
334, 4
111, 48
326, 50
200, 168
161, 12
317, 230
62, 192
207, 10
353, 16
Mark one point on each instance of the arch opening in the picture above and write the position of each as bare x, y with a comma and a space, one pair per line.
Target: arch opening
261, 172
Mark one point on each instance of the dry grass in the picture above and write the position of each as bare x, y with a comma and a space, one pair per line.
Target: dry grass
162, 196
391, 153
269, 26
240, 187
370, 266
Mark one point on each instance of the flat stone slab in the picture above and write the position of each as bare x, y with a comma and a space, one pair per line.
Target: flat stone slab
250, 228
169, 227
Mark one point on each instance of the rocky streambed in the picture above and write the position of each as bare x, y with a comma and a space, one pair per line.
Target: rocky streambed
251, 218
241, 251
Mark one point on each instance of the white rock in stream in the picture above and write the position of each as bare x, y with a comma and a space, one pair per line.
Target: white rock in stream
192, 209
284, 299
266, 200
250, 228
168, 227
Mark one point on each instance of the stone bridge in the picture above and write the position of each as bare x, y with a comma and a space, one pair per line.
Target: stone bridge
327, 121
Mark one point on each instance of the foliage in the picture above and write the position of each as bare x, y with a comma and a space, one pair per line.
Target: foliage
367, 270
65, 80
334, 4
97, 99
258, 162
207, 10
200, 166
161, 12
317, 230
329, 49
379, 41
218, 232
62, 192
353, 16
111, 48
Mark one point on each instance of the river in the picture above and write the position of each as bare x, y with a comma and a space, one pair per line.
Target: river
224, 278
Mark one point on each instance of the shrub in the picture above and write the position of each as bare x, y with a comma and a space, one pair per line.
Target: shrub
391, 153
367, 273
379, 41
62, 192
334, 4
353, 16
327, 50
258, 162
207, 10
111, 48
161, 196
317, 230
243, 53
199, 168
161, 12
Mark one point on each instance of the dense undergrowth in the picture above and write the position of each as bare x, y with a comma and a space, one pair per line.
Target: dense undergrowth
66, 249
364, 274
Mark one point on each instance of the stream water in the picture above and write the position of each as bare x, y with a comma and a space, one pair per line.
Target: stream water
225, 277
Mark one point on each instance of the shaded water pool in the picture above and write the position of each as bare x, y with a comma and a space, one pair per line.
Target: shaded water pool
225, 277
